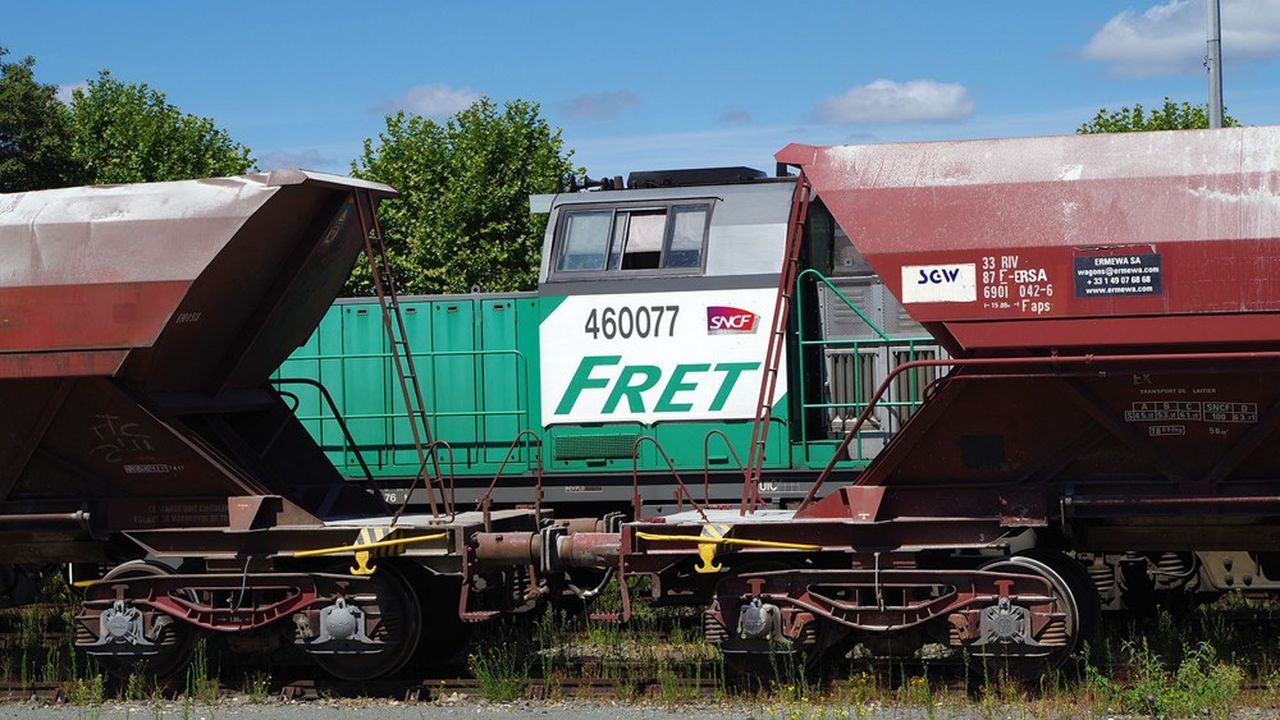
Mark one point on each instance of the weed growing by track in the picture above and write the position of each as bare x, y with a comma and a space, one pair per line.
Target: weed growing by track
1196, 664
1200, 684
502, 660
202, 685
257, 686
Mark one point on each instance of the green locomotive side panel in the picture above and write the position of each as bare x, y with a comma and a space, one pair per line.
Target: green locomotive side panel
477, 358
472, 359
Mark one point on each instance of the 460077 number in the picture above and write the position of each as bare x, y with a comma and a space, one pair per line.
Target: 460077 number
627, 322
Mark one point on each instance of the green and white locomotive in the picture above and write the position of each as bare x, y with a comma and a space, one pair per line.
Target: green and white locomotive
641, 351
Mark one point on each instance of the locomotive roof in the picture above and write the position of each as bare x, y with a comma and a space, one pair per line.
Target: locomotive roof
746, 231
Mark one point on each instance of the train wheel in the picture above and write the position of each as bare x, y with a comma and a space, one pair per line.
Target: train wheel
391, 613
445, 636
173, 642
752, 645
1010, 650
1088, 602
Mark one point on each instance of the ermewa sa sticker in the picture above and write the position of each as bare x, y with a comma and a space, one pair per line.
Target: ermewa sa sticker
722, 320
641, 357
956, 282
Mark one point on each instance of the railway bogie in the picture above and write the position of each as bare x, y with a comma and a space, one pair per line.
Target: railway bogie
812, 587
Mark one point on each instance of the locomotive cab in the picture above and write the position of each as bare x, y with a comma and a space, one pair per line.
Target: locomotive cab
657, 300
641, 351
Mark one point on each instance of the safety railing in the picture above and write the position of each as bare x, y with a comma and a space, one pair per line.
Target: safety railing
335, 415
448, 501
706, 466
853, 367
520, 413
681, 487
485, 498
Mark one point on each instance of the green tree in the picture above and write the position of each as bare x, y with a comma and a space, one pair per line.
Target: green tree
1169, 116
35, 147
463, 218
126, 132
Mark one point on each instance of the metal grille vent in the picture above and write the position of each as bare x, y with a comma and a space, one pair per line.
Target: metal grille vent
595, 447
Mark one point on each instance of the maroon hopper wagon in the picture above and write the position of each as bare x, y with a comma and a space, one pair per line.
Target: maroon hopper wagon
141, 433
1103, 435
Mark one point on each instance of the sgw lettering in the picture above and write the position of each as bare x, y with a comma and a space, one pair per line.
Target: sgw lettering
938, 276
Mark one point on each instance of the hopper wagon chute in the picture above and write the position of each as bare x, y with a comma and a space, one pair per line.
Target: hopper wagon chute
143, 439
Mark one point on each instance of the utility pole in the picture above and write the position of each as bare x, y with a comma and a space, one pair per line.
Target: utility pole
1213, 61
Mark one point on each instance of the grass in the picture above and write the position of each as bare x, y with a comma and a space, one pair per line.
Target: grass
1200, 684
502, 661
1195, 665
88, 692
202, 686
257, 687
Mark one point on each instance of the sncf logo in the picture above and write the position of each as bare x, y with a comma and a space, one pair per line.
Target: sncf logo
722, 320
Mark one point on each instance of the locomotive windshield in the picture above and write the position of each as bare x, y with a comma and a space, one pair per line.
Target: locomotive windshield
666, 237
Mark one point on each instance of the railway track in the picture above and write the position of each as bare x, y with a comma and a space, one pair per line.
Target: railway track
623, 677
443, 689
426, 690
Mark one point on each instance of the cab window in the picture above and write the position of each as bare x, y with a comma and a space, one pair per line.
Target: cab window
688, 227
652, 238
642, 243
586, 240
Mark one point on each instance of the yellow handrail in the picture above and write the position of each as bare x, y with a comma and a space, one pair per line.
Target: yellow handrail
746, 542
340, 549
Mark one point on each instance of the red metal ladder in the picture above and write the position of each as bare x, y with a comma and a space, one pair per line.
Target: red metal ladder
777, 344
384, 286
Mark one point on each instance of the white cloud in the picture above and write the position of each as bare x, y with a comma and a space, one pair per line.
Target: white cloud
1170, 38
886, 101
754, 145
434, 100
599, 106
64, 91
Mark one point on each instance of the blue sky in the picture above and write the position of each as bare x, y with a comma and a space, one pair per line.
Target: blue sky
656, 84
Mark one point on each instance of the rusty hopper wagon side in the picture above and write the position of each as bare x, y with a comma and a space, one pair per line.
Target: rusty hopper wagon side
139, 326
1104, 432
